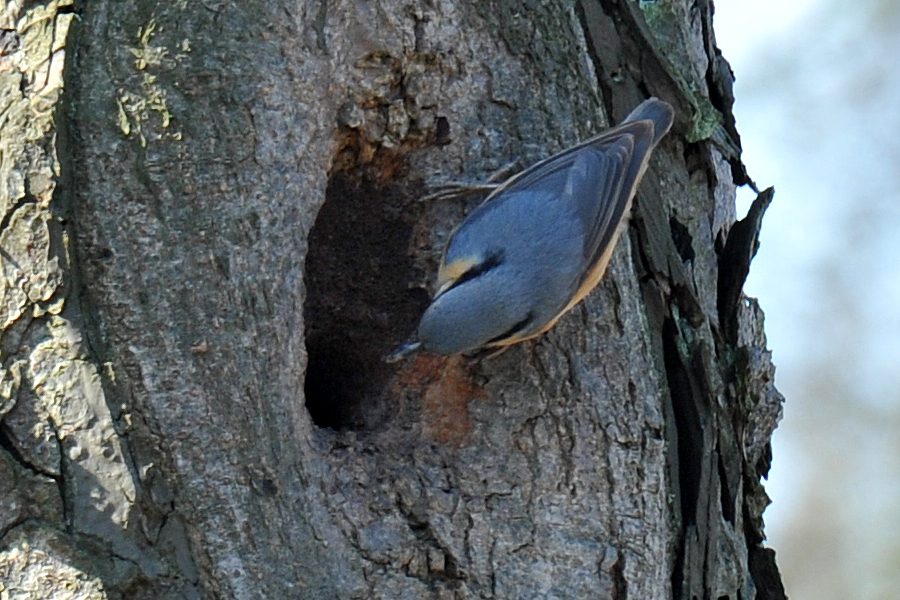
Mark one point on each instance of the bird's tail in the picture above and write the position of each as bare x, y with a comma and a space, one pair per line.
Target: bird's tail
660, 113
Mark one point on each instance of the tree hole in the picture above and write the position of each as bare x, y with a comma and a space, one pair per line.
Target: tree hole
364, 297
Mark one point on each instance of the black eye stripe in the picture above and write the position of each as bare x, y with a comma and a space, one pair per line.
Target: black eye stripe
512, 330
493, 260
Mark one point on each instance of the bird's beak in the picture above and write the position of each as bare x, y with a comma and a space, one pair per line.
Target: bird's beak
403, 351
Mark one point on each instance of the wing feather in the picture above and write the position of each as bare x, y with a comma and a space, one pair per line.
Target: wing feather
597, 179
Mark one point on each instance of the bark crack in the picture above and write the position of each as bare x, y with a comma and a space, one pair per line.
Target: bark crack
7, 444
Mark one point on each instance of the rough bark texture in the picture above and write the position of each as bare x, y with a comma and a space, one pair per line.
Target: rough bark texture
209, 245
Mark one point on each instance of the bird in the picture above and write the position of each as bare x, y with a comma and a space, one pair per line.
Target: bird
539, 243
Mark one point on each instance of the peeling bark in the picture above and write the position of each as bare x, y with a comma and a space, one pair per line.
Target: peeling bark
211, 241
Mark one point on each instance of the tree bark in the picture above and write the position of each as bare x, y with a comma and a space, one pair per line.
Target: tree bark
211, 241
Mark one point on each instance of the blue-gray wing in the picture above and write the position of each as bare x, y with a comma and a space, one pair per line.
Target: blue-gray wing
596, 180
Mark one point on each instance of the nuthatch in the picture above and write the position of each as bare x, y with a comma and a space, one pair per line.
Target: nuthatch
540, 242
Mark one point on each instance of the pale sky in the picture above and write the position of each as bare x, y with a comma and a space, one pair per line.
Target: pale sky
817, 107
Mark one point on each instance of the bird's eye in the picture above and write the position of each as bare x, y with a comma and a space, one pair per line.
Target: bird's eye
493, 260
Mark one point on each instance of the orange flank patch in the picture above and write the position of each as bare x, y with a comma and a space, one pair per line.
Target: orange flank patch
591, 281
594, 276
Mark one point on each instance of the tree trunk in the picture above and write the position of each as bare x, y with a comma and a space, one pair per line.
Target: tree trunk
211, 241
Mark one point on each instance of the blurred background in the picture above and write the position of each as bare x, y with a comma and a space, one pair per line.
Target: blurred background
818, 109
